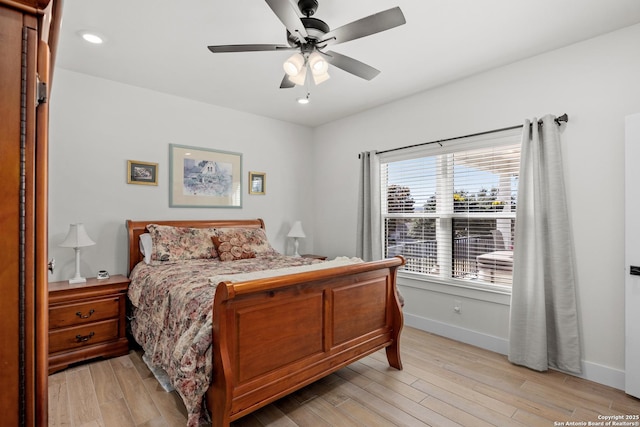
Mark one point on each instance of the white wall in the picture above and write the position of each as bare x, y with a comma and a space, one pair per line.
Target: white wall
97, 125
597, 84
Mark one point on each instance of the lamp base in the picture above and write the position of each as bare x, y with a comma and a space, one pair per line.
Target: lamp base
76, 280
295, 248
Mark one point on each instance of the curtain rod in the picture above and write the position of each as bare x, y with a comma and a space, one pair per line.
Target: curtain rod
562, 118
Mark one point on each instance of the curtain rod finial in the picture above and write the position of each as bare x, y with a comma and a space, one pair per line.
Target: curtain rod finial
563, 118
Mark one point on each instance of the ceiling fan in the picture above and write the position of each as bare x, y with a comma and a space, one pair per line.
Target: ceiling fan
310, 36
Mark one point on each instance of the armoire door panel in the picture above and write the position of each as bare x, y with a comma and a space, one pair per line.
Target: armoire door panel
23, 213
10, 166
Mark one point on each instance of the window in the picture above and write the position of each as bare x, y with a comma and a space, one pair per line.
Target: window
451, 210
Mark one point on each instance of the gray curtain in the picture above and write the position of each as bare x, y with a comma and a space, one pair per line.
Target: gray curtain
544, 319
369, 238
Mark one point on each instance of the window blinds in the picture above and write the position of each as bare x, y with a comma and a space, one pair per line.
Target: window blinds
451, 210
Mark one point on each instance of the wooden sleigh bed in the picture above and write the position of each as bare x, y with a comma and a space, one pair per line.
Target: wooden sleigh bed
272, 336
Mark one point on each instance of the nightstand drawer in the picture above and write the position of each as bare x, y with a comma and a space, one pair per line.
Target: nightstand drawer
85, 335
84, 312
87, 320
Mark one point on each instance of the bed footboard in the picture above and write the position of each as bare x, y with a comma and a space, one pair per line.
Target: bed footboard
273, 336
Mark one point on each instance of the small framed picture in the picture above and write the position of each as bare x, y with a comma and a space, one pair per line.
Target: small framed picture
257, 183
143, 173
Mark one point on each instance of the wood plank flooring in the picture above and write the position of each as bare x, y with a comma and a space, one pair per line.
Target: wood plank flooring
444, 383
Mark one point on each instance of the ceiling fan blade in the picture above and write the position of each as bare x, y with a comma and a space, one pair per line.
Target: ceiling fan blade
351, 65
371, 24
286, 83
248, 48
289, 17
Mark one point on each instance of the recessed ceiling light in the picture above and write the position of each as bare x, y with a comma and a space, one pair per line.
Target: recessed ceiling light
303, 100
91, 37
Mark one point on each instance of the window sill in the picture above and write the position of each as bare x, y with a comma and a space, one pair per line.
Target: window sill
463, 288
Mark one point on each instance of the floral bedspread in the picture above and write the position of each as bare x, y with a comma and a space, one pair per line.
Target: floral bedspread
172, 318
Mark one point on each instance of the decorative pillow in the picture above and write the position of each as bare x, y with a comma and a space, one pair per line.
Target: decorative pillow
180, 243
232, 246
255, 238
146, 247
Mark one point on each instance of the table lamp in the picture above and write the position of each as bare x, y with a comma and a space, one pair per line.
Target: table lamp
77, 238
296, 232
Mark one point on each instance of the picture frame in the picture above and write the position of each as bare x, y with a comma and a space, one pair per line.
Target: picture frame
142, 173
257, 183
204, 178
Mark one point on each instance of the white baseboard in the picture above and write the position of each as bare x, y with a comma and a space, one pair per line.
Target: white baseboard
488, 342
590, 371
603, 375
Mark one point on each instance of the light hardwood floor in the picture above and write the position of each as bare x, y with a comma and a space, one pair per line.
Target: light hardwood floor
444, 383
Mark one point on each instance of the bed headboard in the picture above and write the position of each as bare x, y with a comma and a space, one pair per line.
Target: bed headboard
136, 228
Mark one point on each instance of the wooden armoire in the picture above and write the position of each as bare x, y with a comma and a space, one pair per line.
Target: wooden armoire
28, 36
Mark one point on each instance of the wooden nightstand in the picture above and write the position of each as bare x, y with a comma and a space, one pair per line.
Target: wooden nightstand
87, 320
322, 257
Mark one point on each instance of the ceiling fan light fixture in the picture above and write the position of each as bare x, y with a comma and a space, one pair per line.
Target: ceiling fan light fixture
318, 64
299, 78
319, 78
308, 36
294, 65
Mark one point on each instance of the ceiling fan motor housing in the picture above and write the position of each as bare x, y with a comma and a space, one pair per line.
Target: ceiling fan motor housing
308, 7
316, 29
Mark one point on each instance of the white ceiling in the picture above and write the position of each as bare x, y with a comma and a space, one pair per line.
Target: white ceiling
162, 45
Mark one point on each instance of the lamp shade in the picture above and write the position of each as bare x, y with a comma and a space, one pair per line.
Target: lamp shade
296, 230
77, 237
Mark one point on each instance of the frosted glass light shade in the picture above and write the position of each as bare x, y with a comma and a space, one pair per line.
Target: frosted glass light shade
300, 77
319, 78
294, 64
318, 64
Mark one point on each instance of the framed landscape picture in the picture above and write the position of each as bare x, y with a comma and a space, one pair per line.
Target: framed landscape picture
143, 173
204, 178
257, 183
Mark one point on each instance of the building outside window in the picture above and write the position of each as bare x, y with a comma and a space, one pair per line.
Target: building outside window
451, 210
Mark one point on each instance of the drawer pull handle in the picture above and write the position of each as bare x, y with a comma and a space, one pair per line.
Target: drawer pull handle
85, 338
79, 314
